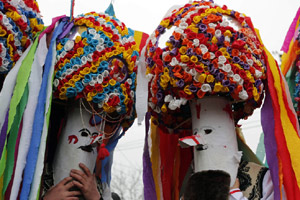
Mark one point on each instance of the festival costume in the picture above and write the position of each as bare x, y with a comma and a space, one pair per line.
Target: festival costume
212, 52
89, 62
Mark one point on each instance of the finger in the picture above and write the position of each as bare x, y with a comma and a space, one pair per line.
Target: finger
85, 169
78, 178
78, 184
78, 172
65, 180
69, 184
72, 198
73, 193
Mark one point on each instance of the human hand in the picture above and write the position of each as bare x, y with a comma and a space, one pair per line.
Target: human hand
86, 182
61, 191
236, 184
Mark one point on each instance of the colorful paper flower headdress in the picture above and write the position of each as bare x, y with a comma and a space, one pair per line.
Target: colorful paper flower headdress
19, 23
212, 51
98, 65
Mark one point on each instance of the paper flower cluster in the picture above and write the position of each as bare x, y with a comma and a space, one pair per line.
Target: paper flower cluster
99, 64
19, 22
212, 51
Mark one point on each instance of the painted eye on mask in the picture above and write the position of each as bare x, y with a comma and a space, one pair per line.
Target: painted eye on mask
84, 132
207, 130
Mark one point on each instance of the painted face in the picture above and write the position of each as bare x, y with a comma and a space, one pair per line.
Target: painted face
215, 142
76, 144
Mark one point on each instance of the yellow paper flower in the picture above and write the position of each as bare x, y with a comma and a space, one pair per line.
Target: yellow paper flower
112, 82
218, 86
214, 40
202, 78
183, 50
187, 90
184, 58
210, 78
196, 19
164, 108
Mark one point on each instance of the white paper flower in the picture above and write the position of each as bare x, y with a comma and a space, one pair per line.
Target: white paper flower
92, 31
100, 47
227, 68
243, 95
218, 33
168, 98
250, 62
83, 60
69, 71
172, 105
206, 88
178, 30
258, 73
69, 45
157, 109
203, 48
227, 39
183, 101
129, 81
89, 57
222, 60
236, 78
151, 105
183, 25
196, 42
105, 73
174, 62
100, 78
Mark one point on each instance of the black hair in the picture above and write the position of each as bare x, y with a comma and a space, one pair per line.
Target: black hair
208, 185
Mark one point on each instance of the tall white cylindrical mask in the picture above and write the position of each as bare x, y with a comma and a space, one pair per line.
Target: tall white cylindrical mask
69, 153
212, 121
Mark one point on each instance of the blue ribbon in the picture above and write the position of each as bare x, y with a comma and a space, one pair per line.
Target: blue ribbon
38, 122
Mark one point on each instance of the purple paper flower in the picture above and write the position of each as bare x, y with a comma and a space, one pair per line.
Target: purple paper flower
173, 52
199, 58
219, 76
209, 35
235, 59
161, 29
231, 87
229, 50
257, 83
186, 9
193, 88
159, 95
180, 83
221, 40
232, 13
189, 52
206, 62
225, 83
177, 43
152, 49
149, 61
246, 66
202, 27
